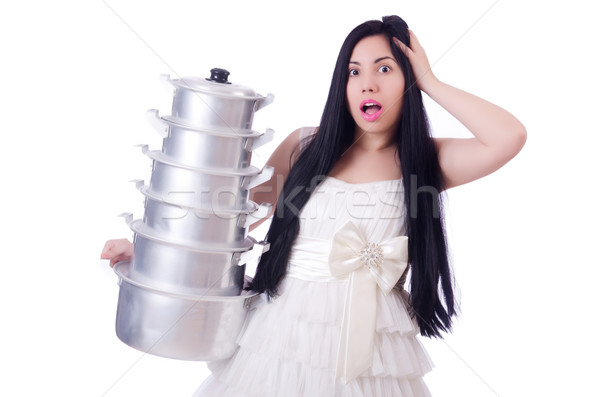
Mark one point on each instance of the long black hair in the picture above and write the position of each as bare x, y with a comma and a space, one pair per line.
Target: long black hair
421, 177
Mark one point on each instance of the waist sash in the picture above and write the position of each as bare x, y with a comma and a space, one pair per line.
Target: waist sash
366, 265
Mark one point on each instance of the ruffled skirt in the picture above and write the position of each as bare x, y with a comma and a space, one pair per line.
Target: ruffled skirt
289, 348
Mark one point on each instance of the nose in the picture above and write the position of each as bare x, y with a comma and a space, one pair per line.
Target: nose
368, 84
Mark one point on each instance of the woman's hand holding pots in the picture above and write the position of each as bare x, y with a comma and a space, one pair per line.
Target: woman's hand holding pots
117, 250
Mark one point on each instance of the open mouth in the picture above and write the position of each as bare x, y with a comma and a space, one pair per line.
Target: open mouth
370, 109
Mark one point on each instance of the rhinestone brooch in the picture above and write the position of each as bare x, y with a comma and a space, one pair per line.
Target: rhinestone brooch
371, 255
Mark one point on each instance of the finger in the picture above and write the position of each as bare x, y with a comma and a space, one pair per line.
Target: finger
108, 247
414, 41
111, 248
403, 47
115, 247
117, 259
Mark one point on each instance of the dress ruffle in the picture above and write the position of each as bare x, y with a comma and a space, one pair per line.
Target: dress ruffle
289, 348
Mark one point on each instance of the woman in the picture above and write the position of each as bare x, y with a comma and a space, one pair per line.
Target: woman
360, 205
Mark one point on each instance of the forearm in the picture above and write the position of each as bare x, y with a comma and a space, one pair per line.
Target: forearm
491, 125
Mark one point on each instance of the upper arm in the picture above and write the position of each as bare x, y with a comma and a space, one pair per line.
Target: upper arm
280, 160
465, 160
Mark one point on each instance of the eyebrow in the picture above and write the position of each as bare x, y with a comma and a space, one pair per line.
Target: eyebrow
376, 61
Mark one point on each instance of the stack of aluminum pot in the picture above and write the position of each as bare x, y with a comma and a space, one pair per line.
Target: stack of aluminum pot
182, 294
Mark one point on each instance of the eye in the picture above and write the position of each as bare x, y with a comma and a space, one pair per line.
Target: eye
352, 72
385, 69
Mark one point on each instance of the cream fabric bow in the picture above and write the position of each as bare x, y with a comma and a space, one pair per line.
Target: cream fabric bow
369, 265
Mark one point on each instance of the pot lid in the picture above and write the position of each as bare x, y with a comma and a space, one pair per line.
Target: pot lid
216, 84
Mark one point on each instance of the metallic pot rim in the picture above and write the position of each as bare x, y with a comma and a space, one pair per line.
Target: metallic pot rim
180, 123
159, 156
122, 269
139, 227
251, 208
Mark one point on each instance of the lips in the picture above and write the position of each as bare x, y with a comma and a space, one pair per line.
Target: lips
370, 109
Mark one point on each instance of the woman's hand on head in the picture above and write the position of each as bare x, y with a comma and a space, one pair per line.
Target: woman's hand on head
117, 250
418, 60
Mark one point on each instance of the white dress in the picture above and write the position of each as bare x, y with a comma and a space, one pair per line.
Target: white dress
290, 345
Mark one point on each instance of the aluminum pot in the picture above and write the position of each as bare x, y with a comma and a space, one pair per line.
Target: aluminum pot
207, 269
207, 148
186, 223
165, 265
176, 325
214, 103
214, 189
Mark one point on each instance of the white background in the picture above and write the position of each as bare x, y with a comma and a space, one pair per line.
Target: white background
78, 76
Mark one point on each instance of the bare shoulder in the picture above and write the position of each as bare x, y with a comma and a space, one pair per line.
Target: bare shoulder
288, 150
281, 160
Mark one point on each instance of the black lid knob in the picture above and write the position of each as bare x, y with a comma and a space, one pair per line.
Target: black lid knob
218, 76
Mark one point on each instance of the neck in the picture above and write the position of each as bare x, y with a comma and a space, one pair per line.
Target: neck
372, 141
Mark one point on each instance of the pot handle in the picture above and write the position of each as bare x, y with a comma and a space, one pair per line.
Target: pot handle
166, 79
262, 177
261, 103
252, 302
128, 216
139, 183
265, 138
143, 147
262, 212
255, 253
167, 82
159, 125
